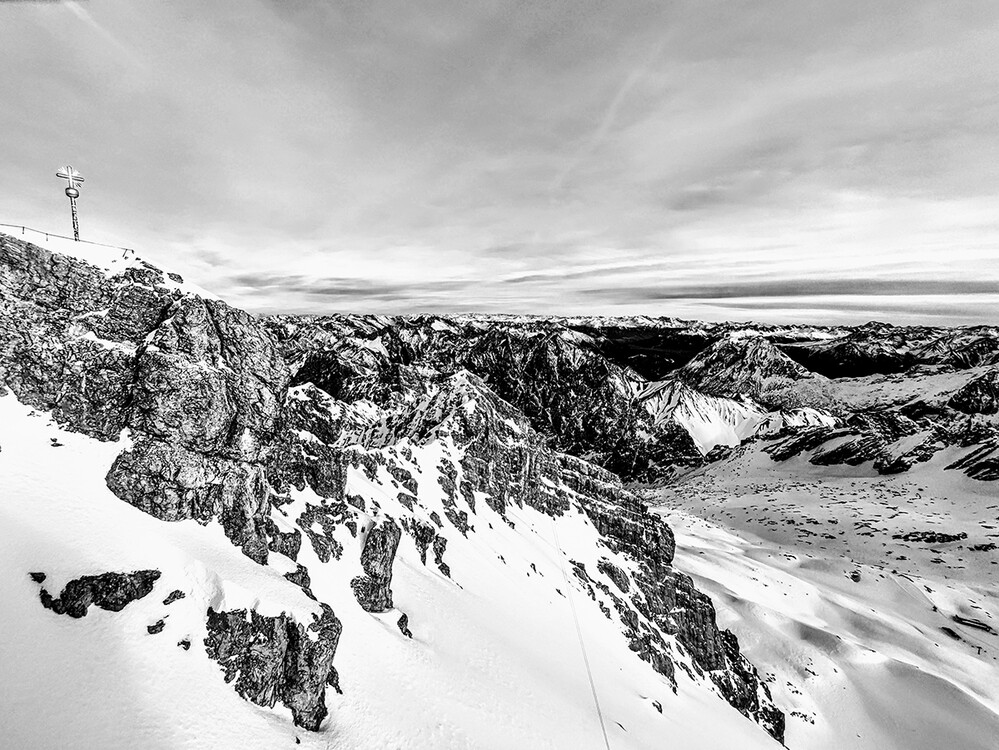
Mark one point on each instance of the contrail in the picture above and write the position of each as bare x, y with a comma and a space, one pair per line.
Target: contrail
80, 12
610, 114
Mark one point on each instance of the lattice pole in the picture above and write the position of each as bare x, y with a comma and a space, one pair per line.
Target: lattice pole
74, 178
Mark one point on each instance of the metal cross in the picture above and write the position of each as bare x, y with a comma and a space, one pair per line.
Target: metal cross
68, 173
74, 178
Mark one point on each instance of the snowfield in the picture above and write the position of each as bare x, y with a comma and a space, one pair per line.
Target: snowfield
855, 628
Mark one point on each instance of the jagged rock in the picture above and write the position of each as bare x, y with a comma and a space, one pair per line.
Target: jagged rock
884, 437
981, 463
870, 349
173, 483
69, 334
300, 577
110, 591
979, 396
199, 383
156, 627
300, 462
328, 518
971, 622
440, 545
210, 379
752, 366
403, 624
287, 543
276, 659
174, 596
373, 590
618, 576
930, 537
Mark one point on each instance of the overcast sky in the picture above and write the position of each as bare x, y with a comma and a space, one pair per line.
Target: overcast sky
769, 159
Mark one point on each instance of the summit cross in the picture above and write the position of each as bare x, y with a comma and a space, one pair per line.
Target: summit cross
74, 178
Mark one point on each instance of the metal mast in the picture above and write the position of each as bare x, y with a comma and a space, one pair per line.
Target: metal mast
74, 178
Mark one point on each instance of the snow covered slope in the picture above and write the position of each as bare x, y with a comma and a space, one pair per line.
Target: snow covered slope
493, 662
716, 420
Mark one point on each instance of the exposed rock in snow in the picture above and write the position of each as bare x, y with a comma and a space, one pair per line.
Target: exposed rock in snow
752, 366
715, 420
710, 420
110, 591
880, 348
373, 589
276, 659
979, 396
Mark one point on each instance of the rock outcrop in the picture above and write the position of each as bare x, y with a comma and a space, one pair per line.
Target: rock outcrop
274, 659
199, 384
109, 591
979, 396
373, 589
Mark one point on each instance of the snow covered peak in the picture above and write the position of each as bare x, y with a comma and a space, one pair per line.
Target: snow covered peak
742, 365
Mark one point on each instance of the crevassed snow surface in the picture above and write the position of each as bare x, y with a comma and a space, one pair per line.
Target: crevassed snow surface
494, 662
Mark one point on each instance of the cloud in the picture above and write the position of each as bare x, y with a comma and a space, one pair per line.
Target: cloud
788, 288
341, 288
538, 157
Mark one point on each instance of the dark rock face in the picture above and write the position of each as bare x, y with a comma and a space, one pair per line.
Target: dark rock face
865, 351
173, 483
199, 383
653, 351
206, 408
980, 396
403, 625
502, 456
749, 365
211, 380
931, 537
276, 659
880, 348
69, 335
373, 590
583, 403
110, 591
981, 463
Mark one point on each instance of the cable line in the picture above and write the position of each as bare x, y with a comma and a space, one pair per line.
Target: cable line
579, 633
